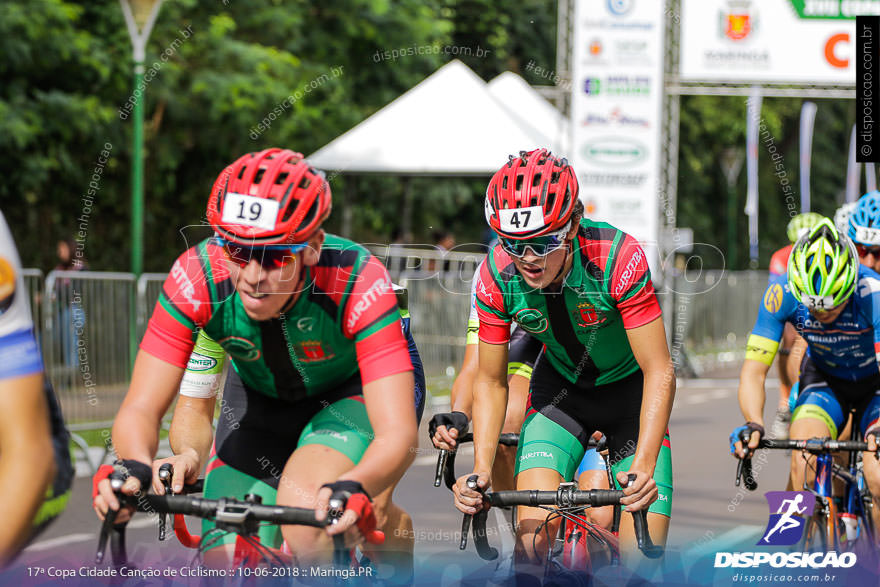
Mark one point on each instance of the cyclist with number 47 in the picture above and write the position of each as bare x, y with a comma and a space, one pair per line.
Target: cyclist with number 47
834, 302
582, 288
322, 396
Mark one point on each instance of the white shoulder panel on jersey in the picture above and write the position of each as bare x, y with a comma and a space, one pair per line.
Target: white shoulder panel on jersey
15, 313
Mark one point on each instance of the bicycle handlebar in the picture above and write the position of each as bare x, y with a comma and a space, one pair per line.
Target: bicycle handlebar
812, 445
564, 497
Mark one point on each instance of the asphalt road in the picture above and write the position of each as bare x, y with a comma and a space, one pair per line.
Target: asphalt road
709, 514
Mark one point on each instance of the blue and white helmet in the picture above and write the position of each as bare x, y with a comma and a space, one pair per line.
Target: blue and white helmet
864, 222
841, 216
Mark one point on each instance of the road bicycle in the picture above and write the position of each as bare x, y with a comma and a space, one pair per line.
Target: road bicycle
579, 543
568, 553
242, 517
844, 524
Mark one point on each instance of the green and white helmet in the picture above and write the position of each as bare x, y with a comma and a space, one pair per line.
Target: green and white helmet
800, 224
823, 267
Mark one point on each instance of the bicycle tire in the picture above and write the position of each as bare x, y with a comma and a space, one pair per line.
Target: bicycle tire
820, 531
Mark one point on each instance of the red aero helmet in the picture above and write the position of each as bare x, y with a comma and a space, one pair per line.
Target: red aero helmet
532, 194
269, 197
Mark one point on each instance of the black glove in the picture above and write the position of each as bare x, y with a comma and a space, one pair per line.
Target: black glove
140, 471
457, 420
747, 428
342, 491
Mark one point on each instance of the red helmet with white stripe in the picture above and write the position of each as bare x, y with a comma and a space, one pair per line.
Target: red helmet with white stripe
531, 195
269, 197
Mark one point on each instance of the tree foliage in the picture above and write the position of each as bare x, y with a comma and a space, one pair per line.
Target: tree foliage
220, 77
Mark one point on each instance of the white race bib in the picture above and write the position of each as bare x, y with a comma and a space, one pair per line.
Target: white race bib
870, 236
521, 219
250, 211
818, 302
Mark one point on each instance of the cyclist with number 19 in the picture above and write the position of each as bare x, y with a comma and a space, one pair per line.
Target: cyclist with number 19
582, 288
322, 396
834, 302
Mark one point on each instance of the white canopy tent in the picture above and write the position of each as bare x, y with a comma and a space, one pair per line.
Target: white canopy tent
449, 124
533, 111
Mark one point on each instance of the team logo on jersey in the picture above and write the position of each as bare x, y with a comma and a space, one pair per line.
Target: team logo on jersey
240, 348
7, 285
585, 314
312, 350
773, 298
531, 320
305, 324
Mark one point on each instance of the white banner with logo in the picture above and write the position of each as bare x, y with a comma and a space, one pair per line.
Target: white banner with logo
809, 41
617, 98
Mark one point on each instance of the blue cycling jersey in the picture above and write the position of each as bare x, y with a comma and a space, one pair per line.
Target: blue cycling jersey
846, 348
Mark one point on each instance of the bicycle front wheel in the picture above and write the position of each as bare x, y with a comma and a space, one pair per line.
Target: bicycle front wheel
820, 532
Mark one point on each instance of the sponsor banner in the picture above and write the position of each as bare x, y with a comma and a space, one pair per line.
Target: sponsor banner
740, 40
616, 111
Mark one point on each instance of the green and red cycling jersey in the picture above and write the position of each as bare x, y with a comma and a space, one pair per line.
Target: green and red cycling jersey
607, 292
345, 320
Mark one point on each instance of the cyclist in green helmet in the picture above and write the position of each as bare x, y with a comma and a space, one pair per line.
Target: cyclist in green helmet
834, 302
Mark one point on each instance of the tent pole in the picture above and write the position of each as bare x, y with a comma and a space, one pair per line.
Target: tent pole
406, 221
350, 191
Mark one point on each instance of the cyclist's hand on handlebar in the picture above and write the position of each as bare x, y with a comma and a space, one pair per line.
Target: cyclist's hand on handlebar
871, 439
444, 429
755, 432
641, 493
103, 497
186, 471
467, 500
357, 519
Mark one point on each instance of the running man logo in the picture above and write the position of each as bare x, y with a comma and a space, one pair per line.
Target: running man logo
788, 513
773, 298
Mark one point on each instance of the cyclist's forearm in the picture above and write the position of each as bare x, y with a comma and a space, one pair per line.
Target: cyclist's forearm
26, 466
191, 428
490, 406
657, 398
385, 461
751, 390
135, 435
462, 397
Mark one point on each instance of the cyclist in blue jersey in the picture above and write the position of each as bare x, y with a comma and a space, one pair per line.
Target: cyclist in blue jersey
863, 228
834, 302
35, 466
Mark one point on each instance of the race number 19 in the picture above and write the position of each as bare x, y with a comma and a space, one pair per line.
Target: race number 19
250, 211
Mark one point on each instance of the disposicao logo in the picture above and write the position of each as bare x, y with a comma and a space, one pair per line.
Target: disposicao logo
789, 511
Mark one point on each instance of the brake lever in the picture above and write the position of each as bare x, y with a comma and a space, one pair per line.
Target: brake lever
466, 521
166, 472
117, 480
640, 525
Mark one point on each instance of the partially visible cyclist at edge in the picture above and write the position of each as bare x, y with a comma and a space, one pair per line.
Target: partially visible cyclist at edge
834, 302
863, 228
523, 351
322, 388
786, 366
35, 466
582, 288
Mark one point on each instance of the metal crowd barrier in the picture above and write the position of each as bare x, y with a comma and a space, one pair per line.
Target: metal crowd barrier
86, 341
715, 310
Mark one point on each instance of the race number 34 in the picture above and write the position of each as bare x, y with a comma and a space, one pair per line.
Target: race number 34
522, 219
250, 211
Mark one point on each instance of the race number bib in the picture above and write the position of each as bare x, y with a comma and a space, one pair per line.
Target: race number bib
869, 236
521, 219
250, 211
818, 302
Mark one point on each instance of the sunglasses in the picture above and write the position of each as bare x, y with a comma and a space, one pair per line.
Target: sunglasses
269, 257
864, 250
541, 246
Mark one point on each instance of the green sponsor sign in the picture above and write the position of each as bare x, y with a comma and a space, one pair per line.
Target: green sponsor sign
835, 9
